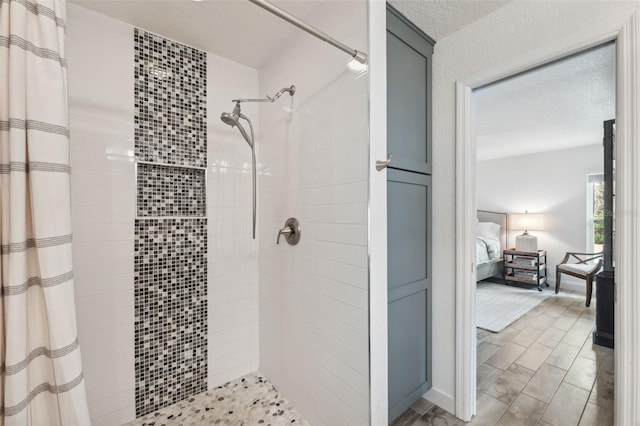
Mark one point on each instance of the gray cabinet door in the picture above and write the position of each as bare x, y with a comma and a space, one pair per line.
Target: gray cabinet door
409, 288
408, 95
408, 211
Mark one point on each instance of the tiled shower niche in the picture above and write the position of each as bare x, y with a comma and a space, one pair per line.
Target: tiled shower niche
170, 263
170, 190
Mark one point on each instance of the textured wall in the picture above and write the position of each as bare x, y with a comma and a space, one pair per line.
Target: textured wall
508, 32
170, 273
170, 101
170, 282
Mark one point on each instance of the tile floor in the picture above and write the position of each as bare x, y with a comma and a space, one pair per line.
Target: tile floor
249, 401
541, 370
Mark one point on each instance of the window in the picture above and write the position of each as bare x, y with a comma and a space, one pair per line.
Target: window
595, 212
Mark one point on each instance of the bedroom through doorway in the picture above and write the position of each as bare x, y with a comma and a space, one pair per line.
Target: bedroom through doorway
540, 159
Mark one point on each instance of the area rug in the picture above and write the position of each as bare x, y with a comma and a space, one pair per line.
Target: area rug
498, 306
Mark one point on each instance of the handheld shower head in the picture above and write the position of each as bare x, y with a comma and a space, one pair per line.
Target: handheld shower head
229, 119
233, 119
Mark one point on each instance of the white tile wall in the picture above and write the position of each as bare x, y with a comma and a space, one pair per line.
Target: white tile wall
100, 56
308, 326
233, 255
314, 158
100, 63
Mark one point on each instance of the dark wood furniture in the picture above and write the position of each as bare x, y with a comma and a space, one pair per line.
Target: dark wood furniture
580, 265
605, 281
525, 267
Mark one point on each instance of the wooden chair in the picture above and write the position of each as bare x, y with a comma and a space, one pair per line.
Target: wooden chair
580, 265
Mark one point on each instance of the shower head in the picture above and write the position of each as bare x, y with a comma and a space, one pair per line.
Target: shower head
233, 119
229, 119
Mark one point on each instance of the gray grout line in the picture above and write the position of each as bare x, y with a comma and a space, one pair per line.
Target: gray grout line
563, 381
563, 377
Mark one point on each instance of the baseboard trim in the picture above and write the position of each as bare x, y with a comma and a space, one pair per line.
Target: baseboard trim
441, 399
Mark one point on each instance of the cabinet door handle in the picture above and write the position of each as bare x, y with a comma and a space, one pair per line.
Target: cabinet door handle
381, 165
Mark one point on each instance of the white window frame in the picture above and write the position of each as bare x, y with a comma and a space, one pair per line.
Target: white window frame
590, 218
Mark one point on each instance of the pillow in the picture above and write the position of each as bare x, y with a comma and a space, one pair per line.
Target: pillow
488, 230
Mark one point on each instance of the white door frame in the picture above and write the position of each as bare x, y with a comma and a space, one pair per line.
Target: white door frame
378, 360
627, 322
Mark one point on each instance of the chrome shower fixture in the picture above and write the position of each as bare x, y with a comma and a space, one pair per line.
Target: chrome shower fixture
233, 119
291, 90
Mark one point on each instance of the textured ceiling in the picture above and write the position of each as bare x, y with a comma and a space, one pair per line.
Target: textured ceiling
233, 29
559, 106
439, 18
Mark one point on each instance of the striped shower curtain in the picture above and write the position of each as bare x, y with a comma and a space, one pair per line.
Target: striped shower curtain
42, 382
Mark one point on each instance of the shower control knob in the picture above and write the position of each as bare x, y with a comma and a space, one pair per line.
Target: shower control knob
291, 231
381, 165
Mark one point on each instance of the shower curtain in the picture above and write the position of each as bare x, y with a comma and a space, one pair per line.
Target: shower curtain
42, 382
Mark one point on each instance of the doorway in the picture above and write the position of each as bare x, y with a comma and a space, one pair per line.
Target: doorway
626, 385
538, 137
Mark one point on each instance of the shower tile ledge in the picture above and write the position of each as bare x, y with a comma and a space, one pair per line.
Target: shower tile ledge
250, 400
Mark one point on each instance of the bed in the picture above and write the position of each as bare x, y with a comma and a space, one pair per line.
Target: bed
491, 239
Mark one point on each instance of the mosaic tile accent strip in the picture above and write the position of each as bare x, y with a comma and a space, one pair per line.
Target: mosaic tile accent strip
170, 101
170, 191
170, 290
250, 401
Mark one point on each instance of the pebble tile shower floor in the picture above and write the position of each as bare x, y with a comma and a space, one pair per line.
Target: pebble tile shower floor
249, 401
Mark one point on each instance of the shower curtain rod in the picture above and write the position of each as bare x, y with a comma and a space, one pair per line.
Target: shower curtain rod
355, 54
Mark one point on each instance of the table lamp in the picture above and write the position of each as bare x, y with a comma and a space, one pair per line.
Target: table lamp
526, 222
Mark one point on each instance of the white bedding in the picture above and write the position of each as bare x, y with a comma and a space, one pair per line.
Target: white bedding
487, 249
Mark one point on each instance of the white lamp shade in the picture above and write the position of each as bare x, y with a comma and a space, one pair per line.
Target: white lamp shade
526, 222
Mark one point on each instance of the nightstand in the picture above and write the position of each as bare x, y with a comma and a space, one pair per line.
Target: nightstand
525, 267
